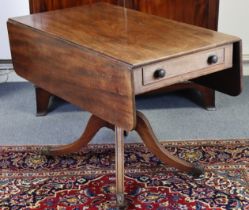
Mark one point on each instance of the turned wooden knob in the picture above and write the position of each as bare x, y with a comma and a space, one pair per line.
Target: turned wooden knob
159, 73
212, 59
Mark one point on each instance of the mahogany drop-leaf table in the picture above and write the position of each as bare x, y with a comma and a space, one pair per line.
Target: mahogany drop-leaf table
100, 56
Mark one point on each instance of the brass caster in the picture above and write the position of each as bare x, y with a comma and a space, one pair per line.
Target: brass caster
197, 171
126, 133
121, 204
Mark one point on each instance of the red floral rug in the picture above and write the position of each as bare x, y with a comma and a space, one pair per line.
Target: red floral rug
86, 180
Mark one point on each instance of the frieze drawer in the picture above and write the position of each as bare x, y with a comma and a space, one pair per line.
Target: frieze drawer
182, 68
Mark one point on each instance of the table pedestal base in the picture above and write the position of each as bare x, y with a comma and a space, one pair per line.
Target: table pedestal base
147, 135
43, 100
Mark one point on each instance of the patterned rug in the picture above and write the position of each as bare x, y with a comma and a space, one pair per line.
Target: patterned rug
86, 180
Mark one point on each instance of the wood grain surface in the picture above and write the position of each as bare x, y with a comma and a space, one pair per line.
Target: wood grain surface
87, 55
182, 68
127, 35
202, 13
87, 79
48, 5
197, 12
119, 165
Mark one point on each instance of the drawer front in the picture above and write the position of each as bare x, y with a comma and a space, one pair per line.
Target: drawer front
182, 68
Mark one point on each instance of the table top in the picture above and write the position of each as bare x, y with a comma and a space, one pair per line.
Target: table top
126, 35
100, 56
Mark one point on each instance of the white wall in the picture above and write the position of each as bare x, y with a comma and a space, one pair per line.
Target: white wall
9, 8
233, 19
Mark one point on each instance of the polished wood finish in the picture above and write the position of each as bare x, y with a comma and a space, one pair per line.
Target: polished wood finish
92, 31
119, 165
140, 49
202, 13
99, 48
87, 41
48, 5
93, 126
94, 78
76, 63
146, 133
186, 64
182, 68
143, 128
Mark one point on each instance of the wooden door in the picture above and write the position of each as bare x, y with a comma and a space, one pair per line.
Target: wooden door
197, 12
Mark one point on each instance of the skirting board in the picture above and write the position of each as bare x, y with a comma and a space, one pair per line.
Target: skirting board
5, 61
246, 58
